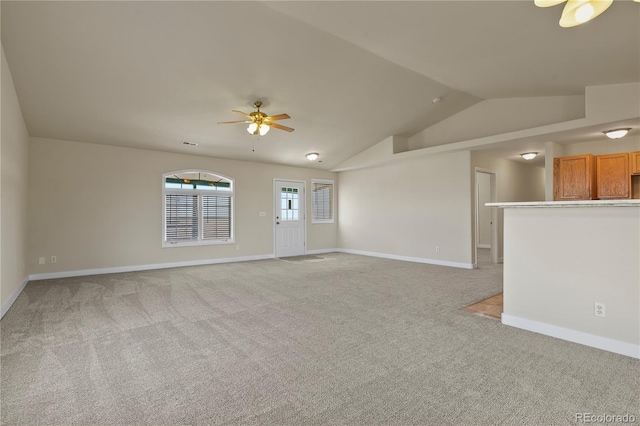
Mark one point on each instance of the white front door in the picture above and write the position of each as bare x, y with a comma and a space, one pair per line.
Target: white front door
290, 218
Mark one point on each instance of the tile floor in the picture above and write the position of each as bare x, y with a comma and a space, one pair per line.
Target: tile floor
491, 307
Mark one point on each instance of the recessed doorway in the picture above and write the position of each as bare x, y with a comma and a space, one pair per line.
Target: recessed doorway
486, 218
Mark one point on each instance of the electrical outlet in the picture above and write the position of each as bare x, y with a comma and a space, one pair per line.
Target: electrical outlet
41, 261
237, 246
598, 309
437, 249
54, 259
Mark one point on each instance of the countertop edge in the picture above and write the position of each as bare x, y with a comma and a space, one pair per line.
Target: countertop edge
556, 204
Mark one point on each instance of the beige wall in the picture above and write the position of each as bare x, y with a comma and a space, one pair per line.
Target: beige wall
14, 149
498, 116
97, 206
515, 181
407, 208
604, 146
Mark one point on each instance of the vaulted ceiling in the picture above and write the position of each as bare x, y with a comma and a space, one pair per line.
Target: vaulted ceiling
350, 74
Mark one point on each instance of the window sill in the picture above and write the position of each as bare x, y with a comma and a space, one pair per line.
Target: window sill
197, 243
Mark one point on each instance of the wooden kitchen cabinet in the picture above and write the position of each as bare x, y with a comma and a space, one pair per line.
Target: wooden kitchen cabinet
575, 178
634, 162
613, 178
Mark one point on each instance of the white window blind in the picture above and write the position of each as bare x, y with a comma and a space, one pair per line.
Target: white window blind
322, 201
181, 217
216, 217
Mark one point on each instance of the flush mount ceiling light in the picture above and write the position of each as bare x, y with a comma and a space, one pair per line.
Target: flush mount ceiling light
312, 156
617, 133
577, 12
529, 155
259, 122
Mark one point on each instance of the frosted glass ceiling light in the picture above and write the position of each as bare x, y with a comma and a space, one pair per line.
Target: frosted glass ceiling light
617, 133
264, 129
252, 128
312, 156
529, 155
577, 12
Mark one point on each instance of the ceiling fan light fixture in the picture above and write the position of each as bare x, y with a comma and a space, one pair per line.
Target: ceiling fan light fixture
578, 12
616, 133
529, 155
312, 156
259, 122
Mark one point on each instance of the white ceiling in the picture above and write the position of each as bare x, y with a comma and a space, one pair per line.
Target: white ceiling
350, 74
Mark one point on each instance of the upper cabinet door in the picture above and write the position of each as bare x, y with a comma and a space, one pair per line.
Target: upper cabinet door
613, 176
634, 162
575, 178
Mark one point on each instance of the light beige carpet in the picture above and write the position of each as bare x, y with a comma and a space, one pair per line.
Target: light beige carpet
344, 340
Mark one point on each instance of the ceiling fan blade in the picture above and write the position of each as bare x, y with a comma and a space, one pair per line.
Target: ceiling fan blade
235, 122
277, 117
281, 127
241, 113
547, 3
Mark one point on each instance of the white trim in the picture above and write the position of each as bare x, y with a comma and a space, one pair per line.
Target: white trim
200, 241
134, 268
632, 202
333, 200
409, 259
188, 243
7, 305
575, 336
484, 246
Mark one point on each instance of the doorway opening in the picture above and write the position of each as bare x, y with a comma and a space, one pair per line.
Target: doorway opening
486, 247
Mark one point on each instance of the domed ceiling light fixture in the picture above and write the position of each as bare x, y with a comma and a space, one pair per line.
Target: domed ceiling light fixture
616, 134
312, 156
529, 155
577, 12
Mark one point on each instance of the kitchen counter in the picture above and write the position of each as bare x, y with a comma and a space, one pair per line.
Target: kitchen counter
563, 257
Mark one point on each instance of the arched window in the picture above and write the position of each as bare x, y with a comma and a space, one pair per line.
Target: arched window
198, 208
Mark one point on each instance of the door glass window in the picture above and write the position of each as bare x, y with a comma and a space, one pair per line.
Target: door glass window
289, 204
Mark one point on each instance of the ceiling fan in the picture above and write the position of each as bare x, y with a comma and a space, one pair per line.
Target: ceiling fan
259, 122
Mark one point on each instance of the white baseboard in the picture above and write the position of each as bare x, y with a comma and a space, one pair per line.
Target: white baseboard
13, 298
133, 268
408, 258
575, 336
